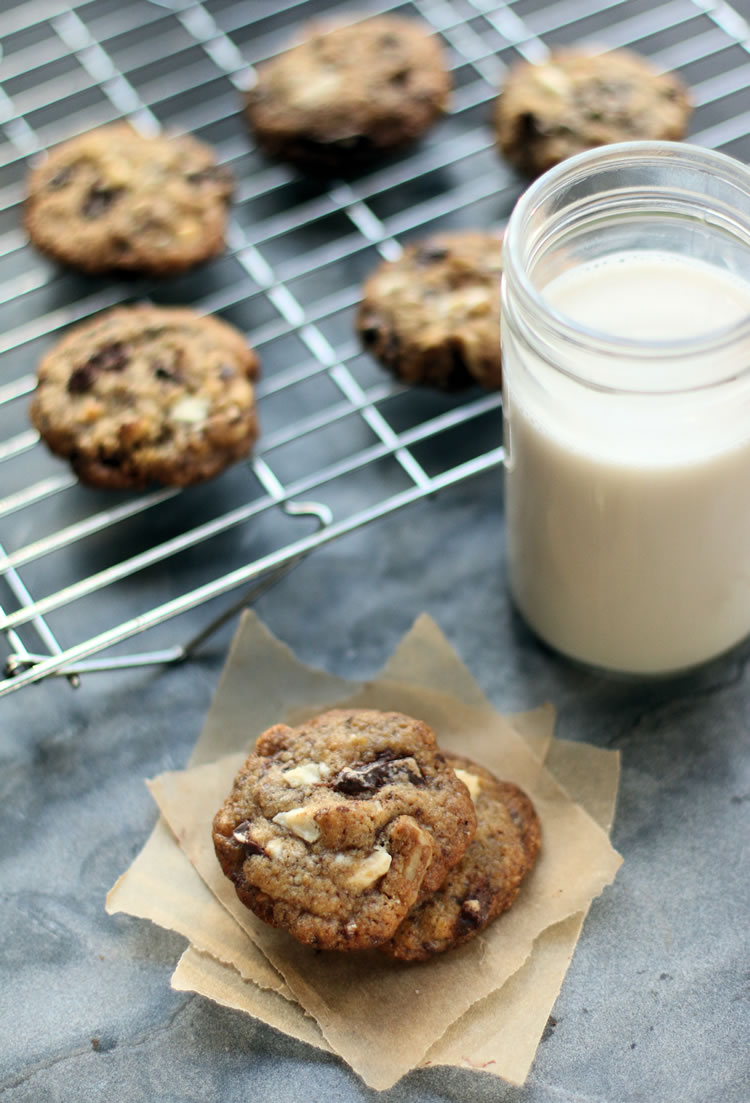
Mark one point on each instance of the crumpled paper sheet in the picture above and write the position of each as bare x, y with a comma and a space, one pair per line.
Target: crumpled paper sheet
484, 1005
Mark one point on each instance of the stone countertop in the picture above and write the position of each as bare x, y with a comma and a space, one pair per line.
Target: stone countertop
656, 1005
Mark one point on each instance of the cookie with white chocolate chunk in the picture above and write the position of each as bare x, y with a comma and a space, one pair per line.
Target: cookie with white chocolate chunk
334, 829
487, 879
147, 394
433, 315
116, 200
577, 100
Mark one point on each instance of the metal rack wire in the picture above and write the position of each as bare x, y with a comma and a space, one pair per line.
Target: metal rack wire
83, 571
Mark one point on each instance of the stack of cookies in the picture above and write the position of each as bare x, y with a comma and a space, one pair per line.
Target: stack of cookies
355, 831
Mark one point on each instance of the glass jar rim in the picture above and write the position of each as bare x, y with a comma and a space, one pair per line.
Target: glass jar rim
578, 167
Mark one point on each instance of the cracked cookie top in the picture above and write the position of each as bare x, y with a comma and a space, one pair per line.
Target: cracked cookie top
334, 829
113, 199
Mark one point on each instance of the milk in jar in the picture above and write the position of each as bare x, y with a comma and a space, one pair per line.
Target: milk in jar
627, 435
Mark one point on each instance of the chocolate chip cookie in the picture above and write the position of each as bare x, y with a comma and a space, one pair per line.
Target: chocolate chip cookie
486, 880
433, 315
113, 199
346, 94
334, 829
145, 394
575, 101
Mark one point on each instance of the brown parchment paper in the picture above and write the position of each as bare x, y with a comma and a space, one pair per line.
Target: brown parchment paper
500, 1034
264, 683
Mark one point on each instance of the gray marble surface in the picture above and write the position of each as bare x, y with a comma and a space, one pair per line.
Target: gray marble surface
656, 1005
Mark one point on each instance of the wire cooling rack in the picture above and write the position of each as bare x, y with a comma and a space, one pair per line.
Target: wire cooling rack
342, 445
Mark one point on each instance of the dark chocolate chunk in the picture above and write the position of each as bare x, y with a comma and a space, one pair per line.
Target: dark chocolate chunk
401, 77
214, 174
81, 380
370, 336
62, 177
475, 908
430, 254
241, 834
99, 200
529, 126
362, 780
112, 357
171, 373
111, 459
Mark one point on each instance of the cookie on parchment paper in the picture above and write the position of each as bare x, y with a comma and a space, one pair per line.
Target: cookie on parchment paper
115, 200
334, 829
348, 93
576, 101
145, 394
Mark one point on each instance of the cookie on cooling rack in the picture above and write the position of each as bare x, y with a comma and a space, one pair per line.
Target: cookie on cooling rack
347, 93
433, 315
334, 829
113, 199
576, 101
487, 879
145, 394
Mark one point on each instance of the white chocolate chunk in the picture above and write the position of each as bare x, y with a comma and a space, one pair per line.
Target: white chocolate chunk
368, 871
390, 283
552, 79
189, 409
312, 93
300, 822
471, 781
309, 773
285, 849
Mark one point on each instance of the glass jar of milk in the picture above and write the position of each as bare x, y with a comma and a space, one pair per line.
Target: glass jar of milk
626, 353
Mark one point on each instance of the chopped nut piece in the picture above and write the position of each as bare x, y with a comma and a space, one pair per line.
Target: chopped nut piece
416, 862
370, 870
309, 773
299, 821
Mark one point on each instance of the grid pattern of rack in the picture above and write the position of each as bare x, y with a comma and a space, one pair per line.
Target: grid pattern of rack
335, 429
